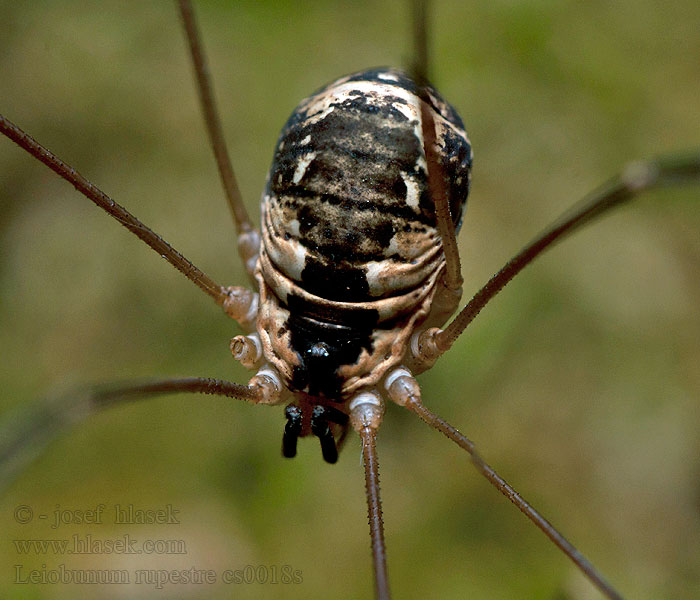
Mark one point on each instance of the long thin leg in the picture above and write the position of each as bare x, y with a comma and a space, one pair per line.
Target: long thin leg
368, 435
638, 177
122, 215
211, 116
421, 63
436, 179
438, 192
27, 433
502, 486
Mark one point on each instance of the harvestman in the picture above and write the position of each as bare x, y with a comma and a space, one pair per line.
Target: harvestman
427, 344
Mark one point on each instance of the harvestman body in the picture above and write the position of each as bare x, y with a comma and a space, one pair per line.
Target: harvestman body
350, 264
356, 264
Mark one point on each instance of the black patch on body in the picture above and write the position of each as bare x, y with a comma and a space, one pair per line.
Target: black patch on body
324, 346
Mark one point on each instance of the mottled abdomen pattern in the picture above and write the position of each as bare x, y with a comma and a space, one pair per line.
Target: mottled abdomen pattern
350, 250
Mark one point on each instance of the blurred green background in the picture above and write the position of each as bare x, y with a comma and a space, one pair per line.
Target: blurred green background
580, 383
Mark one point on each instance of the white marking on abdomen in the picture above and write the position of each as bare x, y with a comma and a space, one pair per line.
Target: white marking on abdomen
302, 165
294, 227
412, 190
407, 111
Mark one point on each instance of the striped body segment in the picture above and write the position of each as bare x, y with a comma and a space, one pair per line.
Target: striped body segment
351, 257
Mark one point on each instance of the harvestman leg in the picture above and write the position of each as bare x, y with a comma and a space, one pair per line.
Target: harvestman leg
248, 236
421, 60
370, 460
452, 279
23, 439
366, 412
638, 177
24, 436
434, 342
92, 192
19, 441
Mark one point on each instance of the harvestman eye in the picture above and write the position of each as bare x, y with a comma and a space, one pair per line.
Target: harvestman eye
355, 276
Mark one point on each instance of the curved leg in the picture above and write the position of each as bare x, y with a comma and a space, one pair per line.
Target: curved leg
92, 192
366, 411
404, 390
26, 433
637, 178
248, 237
